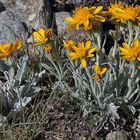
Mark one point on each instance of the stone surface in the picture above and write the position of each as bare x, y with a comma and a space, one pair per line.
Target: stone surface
36, 14
10, 27
60, 21
31, 11
117, 135
21, 16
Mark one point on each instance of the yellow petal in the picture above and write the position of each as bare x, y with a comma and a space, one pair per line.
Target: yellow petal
4, 48
91, 50
86, 23
69, 19
81, 46
78, 26
17, 45
126, 57
92, 8
38, 43
136, 43
88, 44
37, 36
84, 63
90, 55
98, 9
103, 71
126, 46
123, 50
42, 32
100, 18
97, 69
73, 55
68, 44
75, 48
11, 49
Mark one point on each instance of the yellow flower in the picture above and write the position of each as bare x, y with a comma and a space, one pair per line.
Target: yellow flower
42, 36
82, 52
83, 16
48, 48
68, 44
131, 53
99, 72
123, 13
7, 49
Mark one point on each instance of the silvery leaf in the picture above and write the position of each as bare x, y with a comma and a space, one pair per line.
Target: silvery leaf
21, 68
21, 103
112, 109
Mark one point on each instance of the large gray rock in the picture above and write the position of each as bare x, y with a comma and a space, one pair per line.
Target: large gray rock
10, 27
19, 17
60, 21
32, 11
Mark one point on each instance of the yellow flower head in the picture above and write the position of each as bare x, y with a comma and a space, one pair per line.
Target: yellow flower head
99, 72
7, 49
68, 44
83, 16
48, 48
123, 13
41, 36
131, 53
82, 52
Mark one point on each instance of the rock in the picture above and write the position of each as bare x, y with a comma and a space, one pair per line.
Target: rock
117, 135
10, 27
60, 21
36, 14
33, 13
